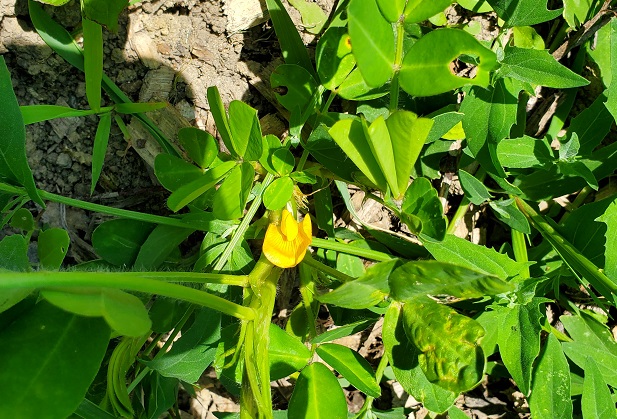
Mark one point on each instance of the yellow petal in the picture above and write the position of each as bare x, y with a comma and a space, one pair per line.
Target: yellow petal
289, 226
277, 250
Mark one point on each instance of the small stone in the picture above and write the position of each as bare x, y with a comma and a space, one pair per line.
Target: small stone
64, 160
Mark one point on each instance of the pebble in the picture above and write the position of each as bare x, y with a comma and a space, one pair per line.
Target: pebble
64, 160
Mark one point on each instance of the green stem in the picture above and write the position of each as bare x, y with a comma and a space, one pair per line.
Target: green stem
398, 59
309, 261
302, 161
257, 401
329, 101
460, 213
351, 250
133, 215
122, 280
244, 225
519, 246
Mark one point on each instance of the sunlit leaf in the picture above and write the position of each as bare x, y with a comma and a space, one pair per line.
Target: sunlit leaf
230, 198
403, 357
368, 290
286, 353
317, 395
123, 312
449, 344
352, 366
551, 383
415, 279
422, 210
426, 70
372, 41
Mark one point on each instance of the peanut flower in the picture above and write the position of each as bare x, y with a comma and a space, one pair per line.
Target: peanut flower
285, 244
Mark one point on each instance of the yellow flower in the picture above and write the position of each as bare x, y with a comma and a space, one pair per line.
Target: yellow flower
285, 244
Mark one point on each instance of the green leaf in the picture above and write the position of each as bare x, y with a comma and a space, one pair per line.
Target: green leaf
313, 17
422, 203
93, 61
220, 118
475, 190
133, 108
392, 10
610, 219
449, 344
13, 160
403, 357
194, 351
286, 353
119, 241
245, 131
200, 146
508, 213
283, 161
415, 279
538, 67
40, 113
123, 312
489, 116
469, 255
292, 47
278, 193
523, 12
349, 134
527, 37
295, 89
591, 125
352, 366
478, 6
524, 152
174, 172
317, 395
367, 291
55, 2
372, 40
100, 148
187, 193
104, 12
159, 244
52, 246
425, 70
381, 146
343, 331
419, 10
519, 340
551, 384
325, 150
22, 219
230, 198
591, 339
13, 257
407, 135
596, 401
162, 394
333, 57
355, 88
34, 358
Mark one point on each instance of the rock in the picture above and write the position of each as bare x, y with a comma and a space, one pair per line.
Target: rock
244, 14
64, 160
